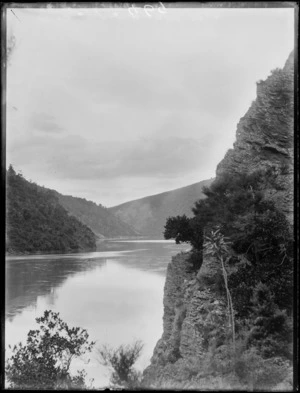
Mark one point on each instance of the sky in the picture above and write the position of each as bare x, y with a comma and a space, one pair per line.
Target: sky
114, 104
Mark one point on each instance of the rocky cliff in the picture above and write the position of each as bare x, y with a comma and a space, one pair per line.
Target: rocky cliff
194, 312
264, 136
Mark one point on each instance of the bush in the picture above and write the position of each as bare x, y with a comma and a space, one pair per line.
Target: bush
244, 368
271, 331
196, 259
258, 373
44, 362
121, 360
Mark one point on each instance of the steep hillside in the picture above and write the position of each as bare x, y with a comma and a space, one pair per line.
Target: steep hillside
247, 284
148, 215
36, 222
100, 219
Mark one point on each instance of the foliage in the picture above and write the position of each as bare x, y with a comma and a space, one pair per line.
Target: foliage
121, 360
271, 331
217, 246
187, 230
259, 232
44, 362
258, 373
196, 259
244, 368
37, 222
178, 228
260, 252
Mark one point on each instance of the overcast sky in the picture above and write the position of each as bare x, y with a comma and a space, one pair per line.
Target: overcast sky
112, 105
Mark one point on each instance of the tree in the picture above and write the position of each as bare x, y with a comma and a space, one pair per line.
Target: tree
44, 362
217, 246
178, 228
121, 360
187, 230
242, 206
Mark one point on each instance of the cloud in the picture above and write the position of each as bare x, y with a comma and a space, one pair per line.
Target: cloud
86, 96
45, 123
148, 158
75, 157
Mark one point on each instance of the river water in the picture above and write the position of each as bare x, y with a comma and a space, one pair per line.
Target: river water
115, 293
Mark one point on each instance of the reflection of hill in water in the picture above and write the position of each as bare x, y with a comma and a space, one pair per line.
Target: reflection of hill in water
27, 279
147, 257
30, 277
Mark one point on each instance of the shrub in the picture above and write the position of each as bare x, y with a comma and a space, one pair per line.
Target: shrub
196, 259
258, 373
121, 360
44, 362
271, 331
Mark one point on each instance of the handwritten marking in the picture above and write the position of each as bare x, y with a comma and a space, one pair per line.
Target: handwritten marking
145, 9
134, 11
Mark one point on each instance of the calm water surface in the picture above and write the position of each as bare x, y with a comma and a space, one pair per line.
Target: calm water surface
115, 293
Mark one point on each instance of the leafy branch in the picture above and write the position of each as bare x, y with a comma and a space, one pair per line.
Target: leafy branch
217, 245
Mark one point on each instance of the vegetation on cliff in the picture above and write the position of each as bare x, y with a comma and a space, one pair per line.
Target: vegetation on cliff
261, 257
36, 222
250, 203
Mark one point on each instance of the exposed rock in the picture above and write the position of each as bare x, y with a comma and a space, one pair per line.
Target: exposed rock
264, 136
194, 310
192, 314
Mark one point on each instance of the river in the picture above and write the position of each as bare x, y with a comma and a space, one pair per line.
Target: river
116, 293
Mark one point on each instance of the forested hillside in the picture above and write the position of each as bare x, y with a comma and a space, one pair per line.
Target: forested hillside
148, 215
101, 220
36, 222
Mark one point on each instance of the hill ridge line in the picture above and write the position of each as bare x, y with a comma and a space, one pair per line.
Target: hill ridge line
160, 193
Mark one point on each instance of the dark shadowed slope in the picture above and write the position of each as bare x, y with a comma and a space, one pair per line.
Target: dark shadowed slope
36, 222
148, 215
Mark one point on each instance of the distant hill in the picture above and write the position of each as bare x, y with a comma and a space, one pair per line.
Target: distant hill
100, 219
36, 222
148, 215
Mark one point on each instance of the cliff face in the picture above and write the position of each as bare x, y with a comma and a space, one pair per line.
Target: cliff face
194, 313
264, 135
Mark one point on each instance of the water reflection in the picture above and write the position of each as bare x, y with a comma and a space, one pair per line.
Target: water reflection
28, 279
115, 293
